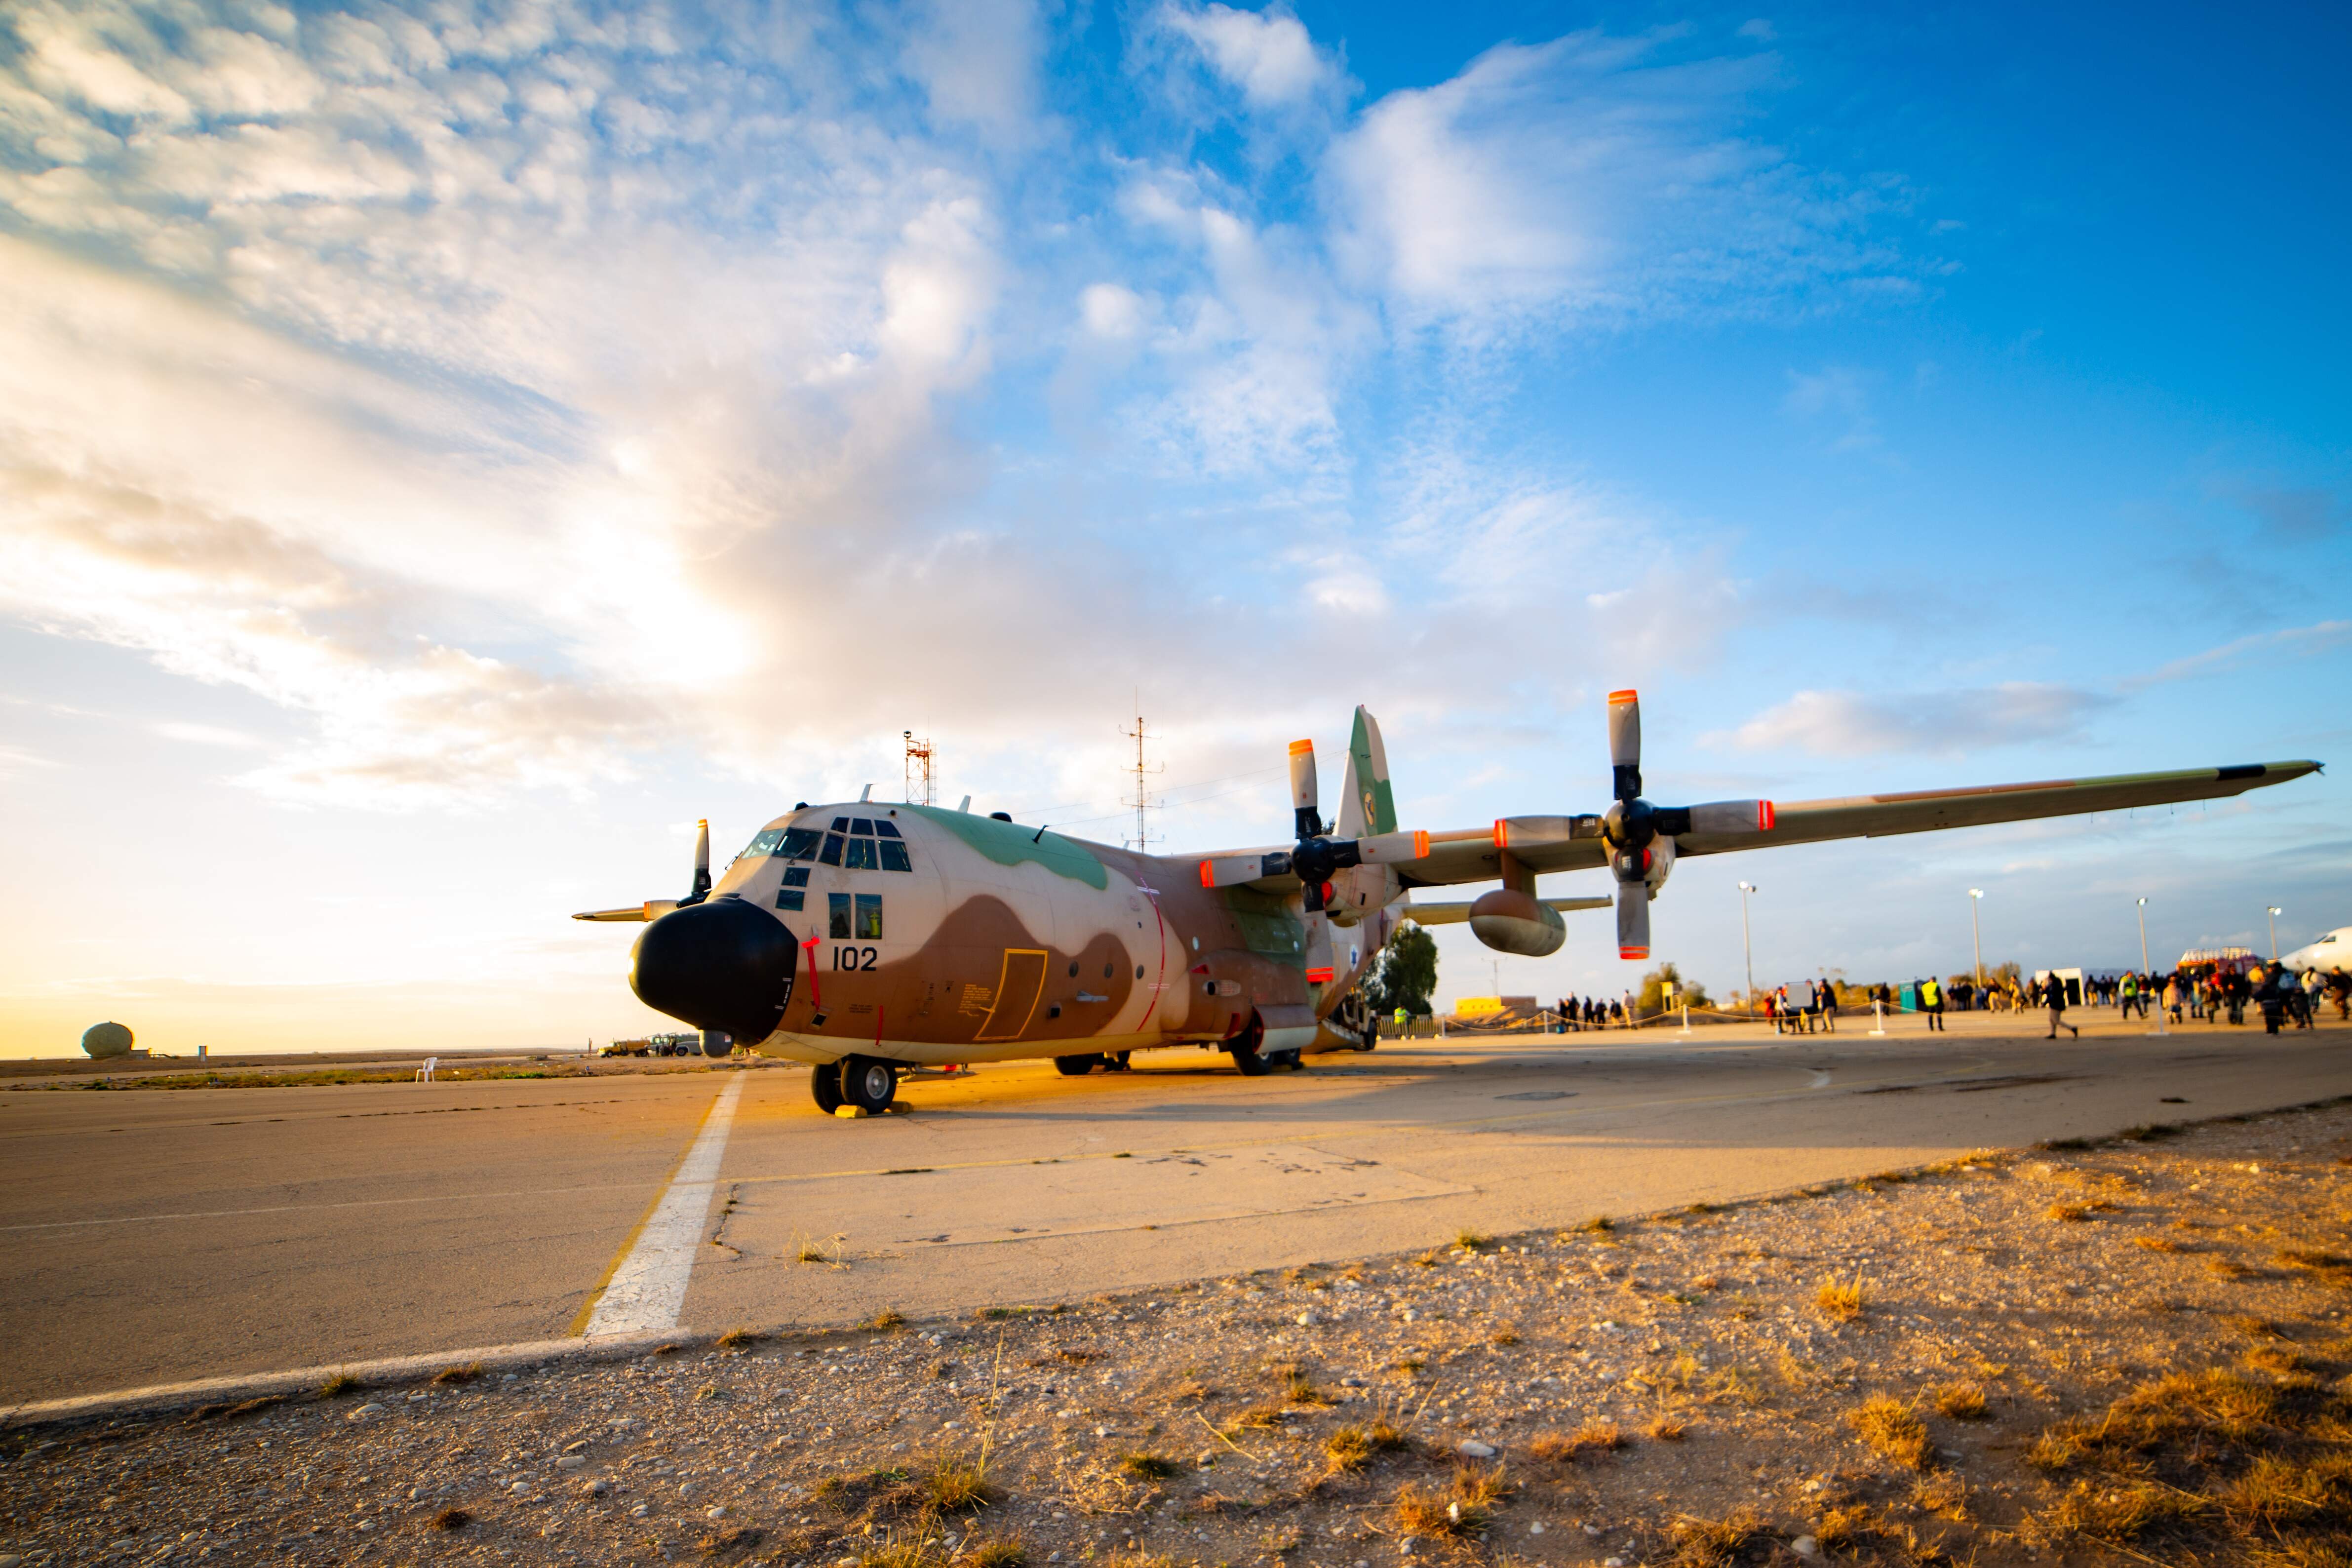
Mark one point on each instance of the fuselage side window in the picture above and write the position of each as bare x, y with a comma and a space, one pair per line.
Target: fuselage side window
836, 916
869, 917
797, 875
790, 899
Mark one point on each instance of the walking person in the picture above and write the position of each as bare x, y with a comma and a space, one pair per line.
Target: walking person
2271, 997
2053, 996
1828, 993
1931, 1003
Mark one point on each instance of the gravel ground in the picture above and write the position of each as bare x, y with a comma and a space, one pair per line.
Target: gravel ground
2135, 1352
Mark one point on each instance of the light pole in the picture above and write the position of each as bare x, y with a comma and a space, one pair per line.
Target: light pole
1747, 953
1976, 939
2274, 915
2143, 940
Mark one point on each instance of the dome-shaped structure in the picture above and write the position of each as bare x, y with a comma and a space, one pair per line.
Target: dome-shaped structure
108, 1040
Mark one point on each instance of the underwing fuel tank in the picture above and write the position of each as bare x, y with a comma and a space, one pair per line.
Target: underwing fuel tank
1516, 923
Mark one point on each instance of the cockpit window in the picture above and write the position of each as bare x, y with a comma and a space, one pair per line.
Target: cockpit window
800, 843
862, 857
862, 826
894, 855
831, 853
841, 824
887, 829
765, 844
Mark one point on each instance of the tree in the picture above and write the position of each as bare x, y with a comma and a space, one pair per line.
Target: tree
1652, 998
1404, 974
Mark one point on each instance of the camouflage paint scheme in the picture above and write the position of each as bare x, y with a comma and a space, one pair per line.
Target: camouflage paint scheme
1005, 942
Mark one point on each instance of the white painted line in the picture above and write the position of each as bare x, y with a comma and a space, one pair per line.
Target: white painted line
648, 1290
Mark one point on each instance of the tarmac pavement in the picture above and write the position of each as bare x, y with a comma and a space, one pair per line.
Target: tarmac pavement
155, 1236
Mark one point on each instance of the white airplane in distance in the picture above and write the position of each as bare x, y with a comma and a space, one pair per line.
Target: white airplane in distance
2333, 950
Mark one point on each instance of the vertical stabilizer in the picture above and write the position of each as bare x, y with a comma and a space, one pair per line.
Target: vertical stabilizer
1368, 807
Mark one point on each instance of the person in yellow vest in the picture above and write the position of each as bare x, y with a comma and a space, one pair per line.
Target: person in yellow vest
1931, 1003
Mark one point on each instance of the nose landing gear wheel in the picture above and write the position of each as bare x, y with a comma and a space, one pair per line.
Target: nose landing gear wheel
1079, 1066
868, 1081
824, 1086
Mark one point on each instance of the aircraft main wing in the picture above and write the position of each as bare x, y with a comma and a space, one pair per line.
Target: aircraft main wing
1928, 810
1548, 844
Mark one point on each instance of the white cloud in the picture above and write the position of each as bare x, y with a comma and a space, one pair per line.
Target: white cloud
1853, 724
1266, 54
1577, 179
977, 60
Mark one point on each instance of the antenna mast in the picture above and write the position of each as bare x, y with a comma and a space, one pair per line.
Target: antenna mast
919, 770
1142, 771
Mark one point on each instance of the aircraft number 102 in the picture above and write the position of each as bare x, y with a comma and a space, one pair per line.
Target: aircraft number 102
853, 957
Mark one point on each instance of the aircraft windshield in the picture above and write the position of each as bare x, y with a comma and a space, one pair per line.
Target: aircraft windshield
792, 843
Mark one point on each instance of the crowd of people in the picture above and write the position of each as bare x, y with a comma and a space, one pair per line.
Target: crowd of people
2208, 993
1573, 1015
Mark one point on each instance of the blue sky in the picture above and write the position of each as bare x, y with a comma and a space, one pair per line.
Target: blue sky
446, 450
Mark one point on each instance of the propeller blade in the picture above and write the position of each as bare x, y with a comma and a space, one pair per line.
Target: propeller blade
1232, 870
1731, 817
1392, 849
1303, 799
1625, 742
1634, 920
701, 863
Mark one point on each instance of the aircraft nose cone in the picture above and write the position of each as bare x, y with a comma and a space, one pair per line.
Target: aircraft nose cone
724, 964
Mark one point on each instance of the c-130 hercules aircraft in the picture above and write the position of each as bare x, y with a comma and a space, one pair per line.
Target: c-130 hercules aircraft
866, 939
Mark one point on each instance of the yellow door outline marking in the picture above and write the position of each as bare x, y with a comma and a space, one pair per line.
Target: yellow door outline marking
1004, 989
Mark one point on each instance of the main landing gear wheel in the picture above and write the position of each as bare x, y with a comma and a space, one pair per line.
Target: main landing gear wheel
1116, 1063
824, 1086
1290, 1059
868, 1081
1078, 1066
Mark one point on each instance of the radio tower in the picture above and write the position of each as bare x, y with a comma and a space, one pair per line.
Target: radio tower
919, 770
1142, 771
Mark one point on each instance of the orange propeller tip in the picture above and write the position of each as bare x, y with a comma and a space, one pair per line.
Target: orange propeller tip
1208, 877
1632, 952
1502, 833
1767, 815
1619, 698
1299, 746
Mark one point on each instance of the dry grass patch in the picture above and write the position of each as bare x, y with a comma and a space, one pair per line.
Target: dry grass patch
1669, 1429
887, 1320
1943, 1494
2159, 1244
450, 1376
1348, 1449
998, 1552
451, 1519
739, 1337
1894, 1430
1589, 1441
1960, 1401
1841, 1301
340, 1383
1146, 1466
1297, 1384
1504, 1338
955, 1486
1716, 1542
1473, 1240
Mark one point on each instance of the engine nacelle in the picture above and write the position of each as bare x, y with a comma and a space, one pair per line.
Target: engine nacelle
1517, 923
